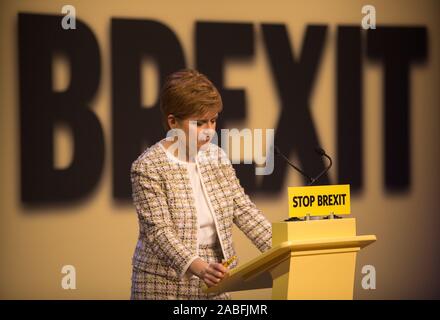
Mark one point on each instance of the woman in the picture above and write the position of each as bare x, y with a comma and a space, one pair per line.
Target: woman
187, 197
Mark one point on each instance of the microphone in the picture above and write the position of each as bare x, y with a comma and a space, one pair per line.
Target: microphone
310, 180
322, 153
278, 152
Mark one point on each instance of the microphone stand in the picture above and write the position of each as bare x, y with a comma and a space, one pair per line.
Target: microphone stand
311, 181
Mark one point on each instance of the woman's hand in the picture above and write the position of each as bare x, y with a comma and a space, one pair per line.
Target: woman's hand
211, 273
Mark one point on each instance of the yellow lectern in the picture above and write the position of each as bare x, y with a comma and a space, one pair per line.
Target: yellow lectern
312, 259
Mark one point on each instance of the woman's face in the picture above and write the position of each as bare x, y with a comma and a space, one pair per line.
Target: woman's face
200, 127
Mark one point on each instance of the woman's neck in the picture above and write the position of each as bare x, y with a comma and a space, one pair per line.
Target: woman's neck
177, 151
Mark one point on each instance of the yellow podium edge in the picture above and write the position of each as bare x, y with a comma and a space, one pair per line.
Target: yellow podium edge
281, 251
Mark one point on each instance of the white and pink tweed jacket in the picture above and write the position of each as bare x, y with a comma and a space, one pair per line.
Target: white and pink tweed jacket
164, 202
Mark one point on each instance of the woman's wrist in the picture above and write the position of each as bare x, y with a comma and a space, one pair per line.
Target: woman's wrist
198, 267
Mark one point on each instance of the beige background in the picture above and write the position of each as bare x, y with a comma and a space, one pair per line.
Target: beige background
98, 236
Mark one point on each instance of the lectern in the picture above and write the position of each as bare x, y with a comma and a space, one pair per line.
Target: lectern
311, 259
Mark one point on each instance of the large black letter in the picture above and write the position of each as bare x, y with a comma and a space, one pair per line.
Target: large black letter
134, 125
294, 78
215, 42
397, 47
349, 106
39, 38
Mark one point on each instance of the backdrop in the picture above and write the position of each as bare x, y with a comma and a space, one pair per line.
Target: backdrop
79, 104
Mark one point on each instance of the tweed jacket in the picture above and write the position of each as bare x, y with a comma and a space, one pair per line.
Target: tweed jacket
168, 227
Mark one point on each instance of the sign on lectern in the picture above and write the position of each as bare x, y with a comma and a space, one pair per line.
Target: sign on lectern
319, 200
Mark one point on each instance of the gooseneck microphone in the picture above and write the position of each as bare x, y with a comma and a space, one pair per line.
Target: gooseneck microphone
310, 180
278, 152
322, 153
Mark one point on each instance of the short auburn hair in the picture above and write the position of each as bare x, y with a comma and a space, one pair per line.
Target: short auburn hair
188, 93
